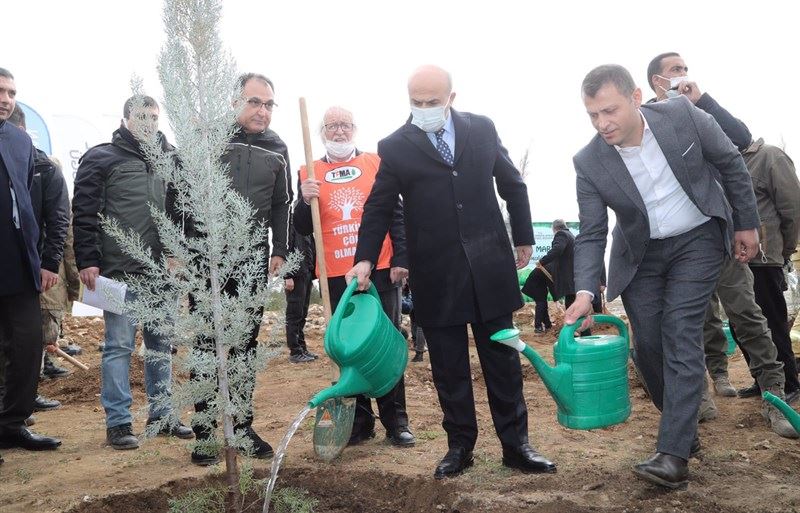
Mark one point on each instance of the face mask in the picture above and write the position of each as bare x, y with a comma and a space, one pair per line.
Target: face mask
672, 92
429, 120
339, 150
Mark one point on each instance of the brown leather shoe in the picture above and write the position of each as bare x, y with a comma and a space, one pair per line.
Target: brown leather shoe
664, 470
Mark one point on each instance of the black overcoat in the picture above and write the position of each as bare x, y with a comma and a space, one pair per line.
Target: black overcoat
460, 258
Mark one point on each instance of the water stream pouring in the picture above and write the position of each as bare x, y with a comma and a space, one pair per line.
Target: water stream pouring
589, 381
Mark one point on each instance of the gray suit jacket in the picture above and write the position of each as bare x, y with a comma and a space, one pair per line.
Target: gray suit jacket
706, 164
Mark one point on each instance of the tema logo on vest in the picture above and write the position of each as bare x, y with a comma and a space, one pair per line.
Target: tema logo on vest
342, 174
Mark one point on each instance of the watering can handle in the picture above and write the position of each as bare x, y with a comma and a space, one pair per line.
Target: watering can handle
568, 332
338, 315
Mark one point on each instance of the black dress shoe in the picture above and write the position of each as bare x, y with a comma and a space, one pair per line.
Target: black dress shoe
752, 391
526, 459
401, 437
24, 438
45, 404
417, 357
665, 470
454, 463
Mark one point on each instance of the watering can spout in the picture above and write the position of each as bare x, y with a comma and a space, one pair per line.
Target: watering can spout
350, 383
792, 416
557, 379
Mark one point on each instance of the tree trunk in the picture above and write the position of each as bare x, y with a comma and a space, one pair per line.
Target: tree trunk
234, 503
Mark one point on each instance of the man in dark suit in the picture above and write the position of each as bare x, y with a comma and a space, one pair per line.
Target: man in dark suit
445, 164
21, 280
657, 166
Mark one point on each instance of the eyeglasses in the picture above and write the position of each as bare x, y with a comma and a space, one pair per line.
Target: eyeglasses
256, 103
331, 128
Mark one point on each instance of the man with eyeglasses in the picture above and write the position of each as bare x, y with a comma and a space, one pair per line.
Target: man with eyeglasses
345, 178
258, 165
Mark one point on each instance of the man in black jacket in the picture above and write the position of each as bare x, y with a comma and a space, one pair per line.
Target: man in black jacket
258, 166
21, 280
446, 165
115, 180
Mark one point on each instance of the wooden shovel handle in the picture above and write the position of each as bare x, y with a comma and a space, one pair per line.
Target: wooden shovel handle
73, 361
315, 216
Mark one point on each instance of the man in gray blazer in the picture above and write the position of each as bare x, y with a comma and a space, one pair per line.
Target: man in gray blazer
683, 199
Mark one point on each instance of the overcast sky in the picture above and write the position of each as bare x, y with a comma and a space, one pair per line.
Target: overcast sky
520, 63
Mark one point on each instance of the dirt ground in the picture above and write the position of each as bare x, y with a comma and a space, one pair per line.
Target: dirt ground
743, 466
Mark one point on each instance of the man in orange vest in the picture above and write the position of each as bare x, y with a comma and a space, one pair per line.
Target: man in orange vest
345, 177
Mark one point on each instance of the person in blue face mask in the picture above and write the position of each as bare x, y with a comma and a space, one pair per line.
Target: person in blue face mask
446, 164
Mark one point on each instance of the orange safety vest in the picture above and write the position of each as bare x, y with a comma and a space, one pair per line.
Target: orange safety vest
342, 194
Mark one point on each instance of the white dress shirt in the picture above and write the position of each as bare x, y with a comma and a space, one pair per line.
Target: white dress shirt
669, 208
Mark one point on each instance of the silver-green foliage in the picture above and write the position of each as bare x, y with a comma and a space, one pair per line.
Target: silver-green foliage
199, 81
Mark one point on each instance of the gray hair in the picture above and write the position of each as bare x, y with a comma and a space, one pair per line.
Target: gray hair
6, 74
559, 224
244, 78
608, 74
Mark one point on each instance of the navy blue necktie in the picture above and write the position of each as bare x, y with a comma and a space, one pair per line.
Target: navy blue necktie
443, 148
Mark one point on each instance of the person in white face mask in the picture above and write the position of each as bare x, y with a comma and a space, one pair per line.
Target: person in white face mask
668, 77
344, 179
446, 165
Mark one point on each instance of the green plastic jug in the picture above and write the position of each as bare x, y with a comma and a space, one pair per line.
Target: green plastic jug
370, 352
590, 379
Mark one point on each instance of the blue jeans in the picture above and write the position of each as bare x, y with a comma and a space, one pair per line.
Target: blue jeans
115, 393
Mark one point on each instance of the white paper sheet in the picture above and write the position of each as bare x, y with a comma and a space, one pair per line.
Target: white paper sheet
108, 295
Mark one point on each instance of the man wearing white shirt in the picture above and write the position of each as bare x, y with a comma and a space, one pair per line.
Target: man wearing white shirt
655, 166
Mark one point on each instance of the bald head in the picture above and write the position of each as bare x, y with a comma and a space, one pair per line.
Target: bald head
430, 86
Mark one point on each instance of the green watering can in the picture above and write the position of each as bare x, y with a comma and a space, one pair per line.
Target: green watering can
792, 416
590, 379
363, 342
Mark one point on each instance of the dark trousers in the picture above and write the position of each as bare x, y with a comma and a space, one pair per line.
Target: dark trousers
768, 284
246, 391
538, 284
448, 348
297, 301
666, 303
21, 339
392, 406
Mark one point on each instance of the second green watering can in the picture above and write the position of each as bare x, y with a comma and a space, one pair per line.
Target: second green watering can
590, 379
363, 342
